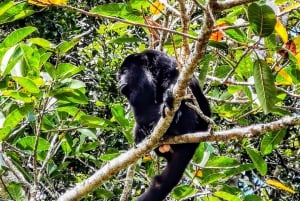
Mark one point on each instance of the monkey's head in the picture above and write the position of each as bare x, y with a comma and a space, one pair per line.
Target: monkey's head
146, 76
136, 82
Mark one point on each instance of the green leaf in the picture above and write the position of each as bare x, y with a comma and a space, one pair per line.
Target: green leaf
51, 168
24, 97
17, 11
44, 58
28, 84
65, 46
111, 9
4, 132
218, 45
16, 116
92, 121
14, 58
89, 146
203, 150
41, 42
258, 161
66, 70
73, 111
211, 178
252, 198
27, 143
108, 157
32, 59
222, 161
271, 140
238, 170
123, 40
262, 19
122, 10
118, 112
66, 146
182, 192
222, 70
139, 4
88, 133
231, 189
104, 194
211, 198
204, 66
236, 34
18, 35
264, 85
47, 124
16, 191
70, 95
226, 196
4, 6
50, 69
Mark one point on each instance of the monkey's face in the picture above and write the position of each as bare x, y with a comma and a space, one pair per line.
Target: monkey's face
123, 84
135, 79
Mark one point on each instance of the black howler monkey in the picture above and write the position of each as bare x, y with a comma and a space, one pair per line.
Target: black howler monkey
146, 79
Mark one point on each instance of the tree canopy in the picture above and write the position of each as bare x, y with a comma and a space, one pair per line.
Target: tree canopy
66, 132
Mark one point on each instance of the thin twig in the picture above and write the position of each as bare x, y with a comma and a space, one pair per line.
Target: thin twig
185, 27
96, 15
128, 183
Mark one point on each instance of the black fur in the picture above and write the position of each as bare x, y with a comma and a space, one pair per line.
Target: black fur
146, 79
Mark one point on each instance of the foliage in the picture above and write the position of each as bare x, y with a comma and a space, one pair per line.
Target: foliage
61, 115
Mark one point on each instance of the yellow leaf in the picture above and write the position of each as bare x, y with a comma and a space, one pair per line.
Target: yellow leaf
291, 7
5, 93
269, 60
147, 158
279, 185
298, 59
156, 8
198, 173
286, 77
281, 31
45, 3
58, 2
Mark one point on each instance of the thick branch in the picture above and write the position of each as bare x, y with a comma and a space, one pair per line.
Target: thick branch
235, 133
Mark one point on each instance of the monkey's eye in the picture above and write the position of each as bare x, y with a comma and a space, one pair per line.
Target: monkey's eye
123, 71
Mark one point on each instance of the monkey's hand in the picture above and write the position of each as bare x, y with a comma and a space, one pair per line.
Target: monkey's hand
168, 102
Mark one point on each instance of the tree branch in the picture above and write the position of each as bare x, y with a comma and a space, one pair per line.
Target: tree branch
235, 133
128, 183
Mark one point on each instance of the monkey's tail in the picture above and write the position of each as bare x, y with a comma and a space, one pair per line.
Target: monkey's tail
162, 184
